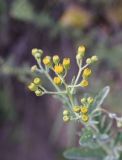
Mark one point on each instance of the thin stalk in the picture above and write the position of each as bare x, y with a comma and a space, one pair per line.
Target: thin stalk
78, 76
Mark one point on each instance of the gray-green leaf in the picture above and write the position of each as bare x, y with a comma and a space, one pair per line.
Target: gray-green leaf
99, 99
84, 154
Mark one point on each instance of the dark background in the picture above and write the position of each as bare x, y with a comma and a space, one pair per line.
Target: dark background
32, 128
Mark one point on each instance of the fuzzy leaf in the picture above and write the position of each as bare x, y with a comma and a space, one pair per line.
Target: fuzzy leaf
99, 99
88, 138
84, 154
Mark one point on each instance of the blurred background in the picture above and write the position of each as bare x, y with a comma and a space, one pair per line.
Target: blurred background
32, 128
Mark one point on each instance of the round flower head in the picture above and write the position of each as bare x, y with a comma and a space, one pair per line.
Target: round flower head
66, 63
87, 72
83, 100
38, 92
32, 87
59, 69
90, 100
56, 59
81, 49
88, 61
66, 118
34, 68
94, 58
76, 109
85, 118
84, 83
84, 109
47, 61
57, 80
65, 112
37, 81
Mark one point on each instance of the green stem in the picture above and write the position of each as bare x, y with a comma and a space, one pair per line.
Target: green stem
78, 76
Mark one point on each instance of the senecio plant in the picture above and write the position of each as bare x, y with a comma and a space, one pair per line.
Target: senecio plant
100, 136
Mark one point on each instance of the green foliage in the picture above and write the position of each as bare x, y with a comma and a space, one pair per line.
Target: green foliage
23, 10
99, 99
88, 138
84, 154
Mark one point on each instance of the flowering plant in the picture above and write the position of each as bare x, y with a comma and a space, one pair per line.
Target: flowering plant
97, 140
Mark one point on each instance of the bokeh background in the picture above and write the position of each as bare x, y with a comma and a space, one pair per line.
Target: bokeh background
32, 128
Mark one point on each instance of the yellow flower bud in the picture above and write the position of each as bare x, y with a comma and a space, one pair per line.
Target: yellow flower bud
80, 52
81, 49
90, 100
83, 100
37, 81
85, 118
66, 63
84, 83
87, 72
76, 109
65, 112
47, 61
66, 118
84, 109
94, 58
56, 59
88, 61
34, 68
59, 69
57, 80
38, 92
37, 53
32, 87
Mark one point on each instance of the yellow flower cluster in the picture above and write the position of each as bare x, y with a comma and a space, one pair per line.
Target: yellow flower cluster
34, 86
84, 108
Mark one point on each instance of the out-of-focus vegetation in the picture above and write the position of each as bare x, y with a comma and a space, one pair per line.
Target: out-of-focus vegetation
55, 26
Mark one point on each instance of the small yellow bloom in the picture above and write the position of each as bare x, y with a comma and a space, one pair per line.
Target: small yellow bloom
76, 109
65, 112
59, 68
37, 81
32, 87
34, 68
66, 63
88, 61
85, 118
90, 100
81, 49
94, 58
66, 118
84, 109
47, 61
56, 59
38, 92
57, 80
84, 83
87, 72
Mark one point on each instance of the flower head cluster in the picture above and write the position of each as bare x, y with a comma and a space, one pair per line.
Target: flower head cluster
79, 112
35, 86
66, 92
